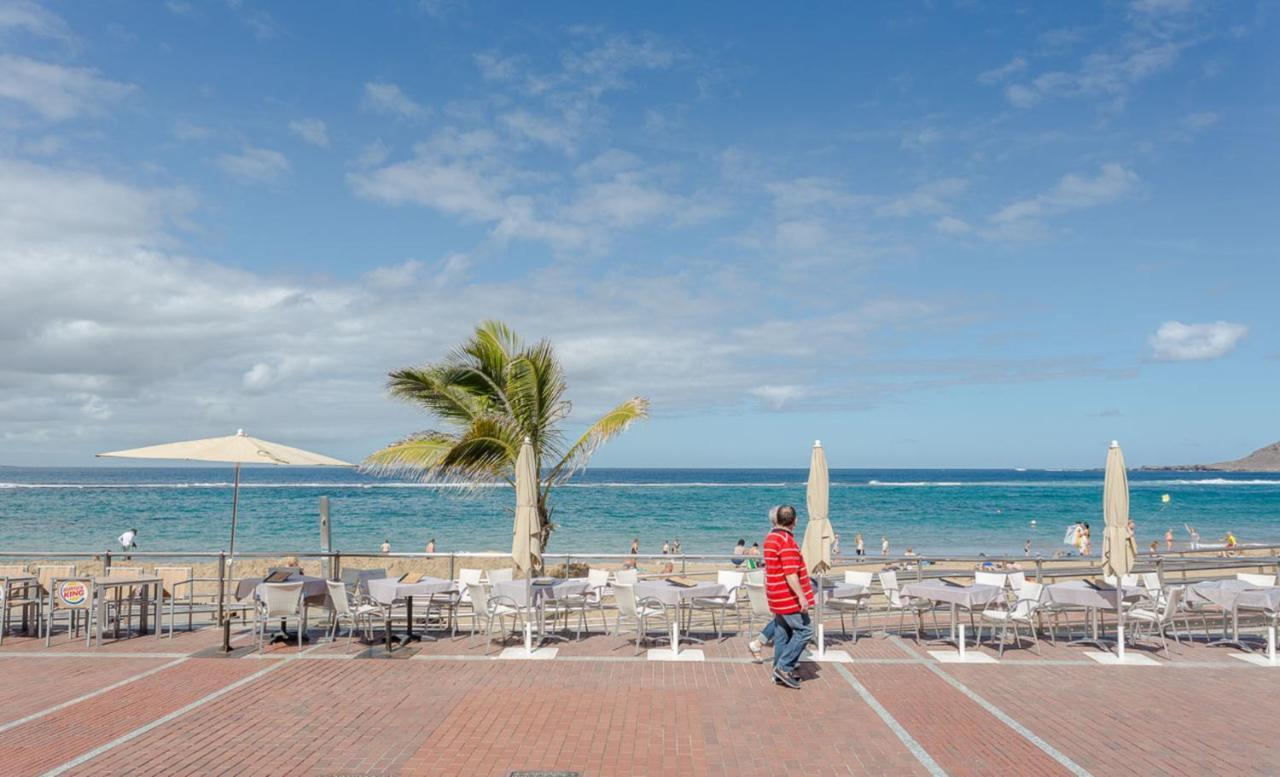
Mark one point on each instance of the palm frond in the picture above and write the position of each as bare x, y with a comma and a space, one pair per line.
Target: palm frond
610, 425
414, 455
436, 390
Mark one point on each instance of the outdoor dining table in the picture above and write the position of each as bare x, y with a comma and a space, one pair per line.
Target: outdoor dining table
1231, 596
540, 590
1077, 593
124, 586
966, 596
25, 588
315, 592
675, 596
387, 591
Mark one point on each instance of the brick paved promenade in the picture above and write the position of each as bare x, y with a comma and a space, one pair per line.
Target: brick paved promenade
145, 706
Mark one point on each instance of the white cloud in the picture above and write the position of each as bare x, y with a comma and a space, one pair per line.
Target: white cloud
1072, 192
254, 165
931, 198
998, 74
1155, 7
312, 131
32, 19
1107, 74
950, 225
1200, 120
56, 92
389, 98
1176, 341
777, 396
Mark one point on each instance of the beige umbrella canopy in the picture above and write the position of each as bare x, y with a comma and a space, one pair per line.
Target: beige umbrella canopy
1117, 551
237, 449
526, 550
816, 546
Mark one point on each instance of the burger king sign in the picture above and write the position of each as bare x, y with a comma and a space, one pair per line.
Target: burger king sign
73, 594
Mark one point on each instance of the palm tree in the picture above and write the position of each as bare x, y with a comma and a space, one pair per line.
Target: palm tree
494, 391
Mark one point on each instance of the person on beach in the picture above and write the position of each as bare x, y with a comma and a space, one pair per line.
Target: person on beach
1230, 541
753, 553
835, 544
1085, 539
859, 547
790, 597
739, 551
1155, 547
633, 563
1168, 539
128, 541
666, 548
1194, 535
431, 545
386, 546
884, 545
1026, 547
675, 547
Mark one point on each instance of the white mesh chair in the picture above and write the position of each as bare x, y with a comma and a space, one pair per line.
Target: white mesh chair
1023, 613
493, 609
852, 605
989, 578
591, 599
1016, 581
501, 575
1263, 581
758, 599
896, 602
720, 604
627, 576
1159, 619
347, 607
639, 612
281, 601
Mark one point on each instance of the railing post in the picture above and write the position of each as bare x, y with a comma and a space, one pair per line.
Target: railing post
106, 563
1040, 570
1160, 570
568, 562
684, 564
337, 565
453, 557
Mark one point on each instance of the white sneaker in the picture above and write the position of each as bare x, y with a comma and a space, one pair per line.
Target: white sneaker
755, 647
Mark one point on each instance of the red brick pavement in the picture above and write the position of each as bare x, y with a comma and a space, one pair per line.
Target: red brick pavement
603, 713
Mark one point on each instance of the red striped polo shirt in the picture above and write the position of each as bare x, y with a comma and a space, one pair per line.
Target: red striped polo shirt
781, 558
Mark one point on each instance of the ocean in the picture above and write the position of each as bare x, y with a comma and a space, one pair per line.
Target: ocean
707, 510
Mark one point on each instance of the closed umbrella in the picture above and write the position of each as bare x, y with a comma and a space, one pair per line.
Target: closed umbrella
1117, 551
526, 545
816, 545
237, 449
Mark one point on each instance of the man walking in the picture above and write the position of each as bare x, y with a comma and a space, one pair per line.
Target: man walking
790, 596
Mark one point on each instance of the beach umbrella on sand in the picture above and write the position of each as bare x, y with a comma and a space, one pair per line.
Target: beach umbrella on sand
1117, 552
526, 550
236, 449
816, 546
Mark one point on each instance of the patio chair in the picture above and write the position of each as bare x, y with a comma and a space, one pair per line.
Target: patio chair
1262, 581
758, 601
1016, 581
755, 576
278, 600
1157, 620
895, 602
853, 604
18, 595
501, 575
639, 611
494, 608
628, 576
346, 606
989, 578
592, 598
1022, 613
466, 577
720, 604
44, 579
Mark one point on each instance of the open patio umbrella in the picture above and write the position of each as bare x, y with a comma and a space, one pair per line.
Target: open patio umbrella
237, 449
1117, 551
526, 546
816, 546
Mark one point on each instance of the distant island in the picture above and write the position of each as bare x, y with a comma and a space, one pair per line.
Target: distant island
1262, 460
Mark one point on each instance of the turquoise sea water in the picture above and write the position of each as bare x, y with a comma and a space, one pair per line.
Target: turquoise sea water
935, 511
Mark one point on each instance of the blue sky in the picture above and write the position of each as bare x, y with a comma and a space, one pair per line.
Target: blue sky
942, 234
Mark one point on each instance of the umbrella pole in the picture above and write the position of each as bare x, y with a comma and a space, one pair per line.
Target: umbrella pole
222, 585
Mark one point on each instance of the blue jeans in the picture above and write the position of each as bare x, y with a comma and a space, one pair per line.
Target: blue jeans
791, 634
766, 634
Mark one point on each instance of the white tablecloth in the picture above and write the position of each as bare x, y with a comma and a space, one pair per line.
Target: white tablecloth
519, 590
1228, 593
314, 589
1077, 594
963, 596
845, 591
388, 590
672, 595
